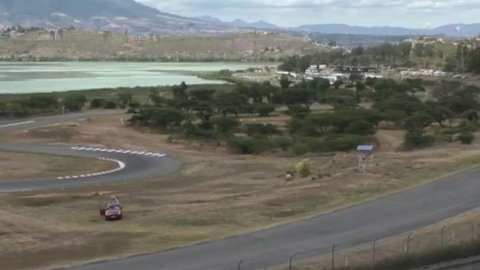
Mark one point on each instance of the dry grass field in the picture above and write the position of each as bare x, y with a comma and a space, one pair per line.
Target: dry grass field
215, 195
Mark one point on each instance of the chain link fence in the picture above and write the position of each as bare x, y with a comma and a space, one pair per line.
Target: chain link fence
407, 251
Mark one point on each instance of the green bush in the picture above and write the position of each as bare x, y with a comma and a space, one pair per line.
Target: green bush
110, 105
261, 129
416, 140
264, 109
283, 142
304, 171
300, 149
361, 127
250, 145
344, 143
225, 125
466, 138
97, 103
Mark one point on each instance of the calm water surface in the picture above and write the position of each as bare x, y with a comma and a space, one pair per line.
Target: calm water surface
53, 77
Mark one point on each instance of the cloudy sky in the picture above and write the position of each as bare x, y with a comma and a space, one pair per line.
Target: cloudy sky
408, 13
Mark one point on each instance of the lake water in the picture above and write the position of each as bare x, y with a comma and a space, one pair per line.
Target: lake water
37, 77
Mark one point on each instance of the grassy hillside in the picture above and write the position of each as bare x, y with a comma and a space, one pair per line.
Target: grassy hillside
90, 45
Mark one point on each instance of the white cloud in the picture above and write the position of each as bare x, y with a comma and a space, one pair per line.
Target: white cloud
409, 13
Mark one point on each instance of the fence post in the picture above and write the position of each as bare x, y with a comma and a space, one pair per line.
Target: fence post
407, 246
473, 230
333, 257
291, 258
374, 250
441, 241
238, 266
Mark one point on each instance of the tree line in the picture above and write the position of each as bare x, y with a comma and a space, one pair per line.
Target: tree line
465, 57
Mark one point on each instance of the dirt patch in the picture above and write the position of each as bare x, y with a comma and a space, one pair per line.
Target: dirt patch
216, 194
13, 166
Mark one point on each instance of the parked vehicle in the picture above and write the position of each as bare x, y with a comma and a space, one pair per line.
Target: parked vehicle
112, 210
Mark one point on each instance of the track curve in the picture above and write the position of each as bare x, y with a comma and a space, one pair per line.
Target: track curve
136, 166
395, 214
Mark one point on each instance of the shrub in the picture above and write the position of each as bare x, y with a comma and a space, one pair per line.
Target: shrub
361, 127
225, 124
97, 103
344, 143
466, 138
300, 149
283, 142
264, 109
249, 145
415, 140
304, 171
298, 111
261, 129
110, 105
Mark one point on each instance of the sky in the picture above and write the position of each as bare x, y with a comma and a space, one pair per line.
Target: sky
289, 13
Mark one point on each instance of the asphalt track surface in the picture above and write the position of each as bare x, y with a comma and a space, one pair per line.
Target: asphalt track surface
398, 213
137, 167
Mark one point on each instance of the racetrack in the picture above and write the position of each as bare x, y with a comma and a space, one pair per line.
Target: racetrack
391, 215
136, 166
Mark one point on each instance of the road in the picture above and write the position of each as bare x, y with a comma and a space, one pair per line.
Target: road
391, 215
466, 267
142, 165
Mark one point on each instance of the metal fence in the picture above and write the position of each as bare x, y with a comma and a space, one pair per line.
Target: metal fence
379, 251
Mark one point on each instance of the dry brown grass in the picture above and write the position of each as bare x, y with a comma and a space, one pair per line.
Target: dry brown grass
215, 195
13, 166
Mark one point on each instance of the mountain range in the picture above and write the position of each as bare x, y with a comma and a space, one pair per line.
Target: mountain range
261, 24
451, 30
122, 15
111, 15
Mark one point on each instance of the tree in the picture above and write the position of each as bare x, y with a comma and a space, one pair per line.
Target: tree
124, 99
418, 122
360, 86
179, 92
261, 129
438, 112
305, 97
264, 109
230, 102
155, 97
298, 111
284, 82
97, 103
158, 117
225, 125
110, 105
418, 49
461, 55
473, 61
337, 83
395, 116
471, 115
74, 103
361, 127
445, 89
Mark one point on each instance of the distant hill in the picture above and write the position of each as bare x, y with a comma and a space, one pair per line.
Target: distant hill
239, 23
111, 15
452, 30
95, 45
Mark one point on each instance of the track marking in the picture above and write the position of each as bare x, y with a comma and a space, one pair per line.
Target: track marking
16, 124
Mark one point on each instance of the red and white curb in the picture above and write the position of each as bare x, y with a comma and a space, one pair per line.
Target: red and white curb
121, 166
16, 124
120, 151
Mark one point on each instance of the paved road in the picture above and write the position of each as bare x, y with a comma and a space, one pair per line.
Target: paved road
398, 213
137, 166
467, 267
